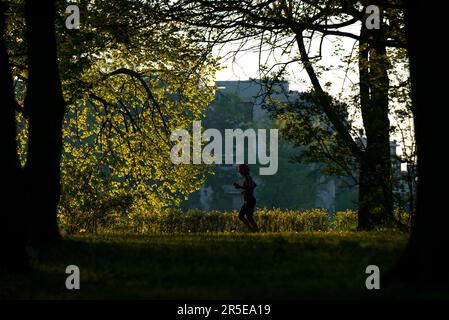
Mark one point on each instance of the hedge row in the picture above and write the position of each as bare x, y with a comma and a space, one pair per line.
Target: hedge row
172, 221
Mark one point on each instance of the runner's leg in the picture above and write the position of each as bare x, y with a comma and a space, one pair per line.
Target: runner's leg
242, 213
250, 217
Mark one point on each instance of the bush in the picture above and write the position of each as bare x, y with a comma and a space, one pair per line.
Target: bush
346, 220
92, 217
403, 219
172, 221
175, 221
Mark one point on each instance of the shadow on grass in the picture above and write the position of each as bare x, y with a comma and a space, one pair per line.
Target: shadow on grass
211, 266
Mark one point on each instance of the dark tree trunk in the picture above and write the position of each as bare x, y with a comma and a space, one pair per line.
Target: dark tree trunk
45, 105
12, 241
375, 204
425, 260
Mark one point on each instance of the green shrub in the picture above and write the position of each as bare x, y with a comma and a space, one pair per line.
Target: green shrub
172, 221
346, 220
93, 216
403, 218
175, 221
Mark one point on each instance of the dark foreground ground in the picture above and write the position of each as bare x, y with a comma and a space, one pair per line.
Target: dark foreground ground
212, 266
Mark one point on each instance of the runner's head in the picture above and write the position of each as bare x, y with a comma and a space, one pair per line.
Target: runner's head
243, 169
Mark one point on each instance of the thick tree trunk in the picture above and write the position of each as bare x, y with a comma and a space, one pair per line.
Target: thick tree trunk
375, 204
45, 105
425, 261
12, 241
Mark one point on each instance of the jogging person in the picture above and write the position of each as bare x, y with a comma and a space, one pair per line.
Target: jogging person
247, 210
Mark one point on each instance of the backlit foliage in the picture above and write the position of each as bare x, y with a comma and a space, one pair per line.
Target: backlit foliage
128, 80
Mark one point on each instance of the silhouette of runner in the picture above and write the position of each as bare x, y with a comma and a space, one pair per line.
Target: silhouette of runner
247, 210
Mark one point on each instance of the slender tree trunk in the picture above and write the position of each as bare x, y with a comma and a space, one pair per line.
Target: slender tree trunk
12, 242
375, 204
424, 261
45, 105
375, 184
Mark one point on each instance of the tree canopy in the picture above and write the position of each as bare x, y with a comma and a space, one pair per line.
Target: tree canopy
129, 79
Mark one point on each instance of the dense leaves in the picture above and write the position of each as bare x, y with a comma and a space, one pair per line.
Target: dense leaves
129, 79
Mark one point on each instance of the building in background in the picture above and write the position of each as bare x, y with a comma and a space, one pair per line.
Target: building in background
240, 104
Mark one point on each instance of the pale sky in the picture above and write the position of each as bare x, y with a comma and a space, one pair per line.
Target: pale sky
246, 64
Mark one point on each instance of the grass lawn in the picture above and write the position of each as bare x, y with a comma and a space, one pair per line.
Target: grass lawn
212, 266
